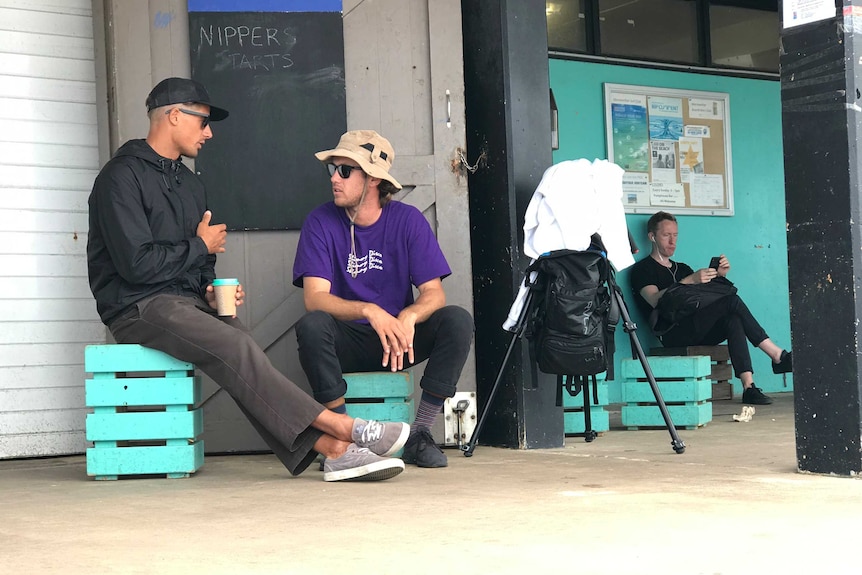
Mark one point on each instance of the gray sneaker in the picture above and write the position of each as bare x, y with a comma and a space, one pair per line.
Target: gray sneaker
359, 464
382, 438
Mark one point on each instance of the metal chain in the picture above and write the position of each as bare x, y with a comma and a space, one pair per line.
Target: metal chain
472, 169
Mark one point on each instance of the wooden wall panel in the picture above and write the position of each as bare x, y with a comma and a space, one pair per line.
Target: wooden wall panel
48, 160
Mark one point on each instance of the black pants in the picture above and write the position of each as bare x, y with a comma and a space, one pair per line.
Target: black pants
188, 329
727, 319
329, 347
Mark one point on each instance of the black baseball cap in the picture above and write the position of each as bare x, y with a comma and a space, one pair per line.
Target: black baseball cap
179, 91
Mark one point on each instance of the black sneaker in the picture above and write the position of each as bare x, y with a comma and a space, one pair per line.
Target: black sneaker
785, 365
753, 396
421, 450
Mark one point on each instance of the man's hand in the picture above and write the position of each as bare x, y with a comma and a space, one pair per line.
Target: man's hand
408, 319
395, 333
706, 275
213, 236
393, 337
723, 266
209, 295
703, 276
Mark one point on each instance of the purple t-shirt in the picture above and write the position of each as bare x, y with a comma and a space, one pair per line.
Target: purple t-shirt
393, 254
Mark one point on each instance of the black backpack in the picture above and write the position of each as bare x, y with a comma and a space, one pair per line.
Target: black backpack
573, 314
680, 301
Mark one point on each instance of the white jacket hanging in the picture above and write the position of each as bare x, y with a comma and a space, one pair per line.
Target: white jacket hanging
574, 200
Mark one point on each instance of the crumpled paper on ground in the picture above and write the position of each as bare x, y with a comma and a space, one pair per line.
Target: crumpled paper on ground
746, 415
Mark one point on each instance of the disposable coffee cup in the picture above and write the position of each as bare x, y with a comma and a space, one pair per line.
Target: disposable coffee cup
225, 294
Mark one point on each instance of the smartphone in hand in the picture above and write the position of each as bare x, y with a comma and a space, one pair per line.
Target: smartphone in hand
714, 262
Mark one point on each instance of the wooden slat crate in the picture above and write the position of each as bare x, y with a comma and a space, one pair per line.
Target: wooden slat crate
573, 409
380, 395
143, 420
684, 385
721, 371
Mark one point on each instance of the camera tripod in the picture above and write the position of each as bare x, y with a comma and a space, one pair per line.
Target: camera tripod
637, 353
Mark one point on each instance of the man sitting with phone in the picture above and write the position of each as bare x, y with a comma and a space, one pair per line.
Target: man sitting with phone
726, 319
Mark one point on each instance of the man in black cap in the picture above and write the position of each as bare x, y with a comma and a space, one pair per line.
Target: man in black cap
151, 256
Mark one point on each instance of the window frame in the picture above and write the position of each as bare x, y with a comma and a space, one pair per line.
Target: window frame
705, 64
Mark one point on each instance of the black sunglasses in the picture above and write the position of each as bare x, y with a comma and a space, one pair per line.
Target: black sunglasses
343, 170
206, 117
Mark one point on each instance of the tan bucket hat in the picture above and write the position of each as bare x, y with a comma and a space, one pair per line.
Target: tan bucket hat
370, 150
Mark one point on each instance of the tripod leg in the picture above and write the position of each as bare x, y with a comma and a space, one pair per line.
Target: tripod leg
474, 438
630, 328
519, 331
589, 432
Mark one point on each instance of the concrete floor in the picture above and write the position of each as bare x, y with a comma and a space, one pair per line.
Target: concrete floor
733, 503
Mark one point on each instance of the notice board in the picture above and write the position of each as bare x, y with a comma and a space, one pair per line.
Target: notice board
281, 77
674, 146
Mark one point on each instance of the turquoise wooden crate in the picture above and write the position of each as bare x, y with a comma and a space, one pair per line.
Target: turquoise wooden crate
112, 391
578, 400
681, 391
573, 421
380, 395
143, 421
382, 411
685, 387
573, 409
378, 384
174, 461
688, 416
130, 357
144, 425
668, 367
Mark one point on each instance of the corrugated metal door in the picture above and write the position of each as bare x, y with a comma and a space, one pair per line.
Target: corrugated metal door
48, 160
404, 75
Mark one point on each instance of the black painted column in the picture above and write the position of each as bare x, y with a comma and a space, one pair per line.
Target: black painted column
508, 120
821, 107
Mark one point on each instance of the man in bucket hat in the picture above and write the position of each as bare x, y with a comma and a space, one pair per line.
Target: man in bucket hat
358, 259
151, 255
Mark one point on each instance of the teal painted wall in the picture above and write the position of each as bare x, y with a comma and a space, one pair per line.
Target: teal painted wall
754, 238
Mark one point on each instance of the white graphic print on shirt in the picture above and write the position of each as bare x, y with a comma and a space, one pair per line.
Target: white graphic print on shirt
372, 260
375, 260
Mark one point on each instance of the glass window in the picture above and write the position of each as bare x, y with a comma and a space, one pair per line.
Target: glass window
663, 30
744, 38
566, 25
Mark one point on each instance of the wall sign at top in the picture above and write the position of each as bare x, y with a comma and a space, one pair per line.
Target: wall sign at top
799, 12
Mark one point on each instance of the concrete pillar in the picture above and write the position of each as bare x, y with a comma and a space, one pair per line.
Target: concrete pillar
509, 133
821, 106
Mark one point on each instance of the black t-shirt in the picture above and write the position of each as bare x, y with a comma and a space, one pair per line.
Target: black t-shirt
648, 272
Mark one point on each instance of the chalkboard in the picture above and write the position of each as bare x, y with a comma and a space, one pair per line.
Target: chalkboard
281, 76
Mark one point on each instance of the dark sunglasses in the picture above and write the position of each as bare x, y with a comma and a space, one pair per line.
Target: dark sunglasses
343, 170
206, 117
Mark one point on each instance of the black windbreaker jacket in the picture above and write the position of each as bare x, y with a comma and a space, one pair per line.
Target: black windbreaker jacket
144, 213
